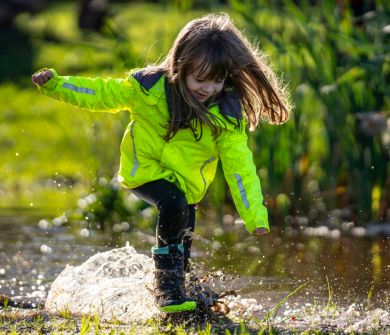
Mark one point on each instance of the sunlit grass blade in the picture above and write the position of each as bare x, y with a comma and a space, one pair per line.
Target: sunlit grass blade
275, 308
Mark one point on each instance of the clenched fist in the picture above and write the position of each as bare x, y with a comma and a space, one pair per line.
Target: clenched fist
41, 77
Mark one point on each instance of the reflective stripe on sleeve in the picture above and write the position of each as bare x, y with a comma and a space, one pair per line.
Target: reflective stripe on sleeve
240, 186
78, 89
135, 167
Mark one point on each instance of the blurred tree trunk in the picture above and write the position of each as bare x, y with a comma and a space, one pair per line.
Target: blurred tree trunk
9, 9
93, 14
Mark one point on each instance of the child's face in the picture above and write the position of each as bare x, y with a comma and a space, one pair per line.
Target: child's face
202, 89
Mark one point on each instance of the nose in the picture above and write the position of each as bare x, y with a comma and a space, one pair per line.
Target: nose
208, 88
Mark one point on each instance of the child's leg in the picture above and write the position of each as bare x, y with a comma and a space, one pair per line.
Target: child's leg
173, 210
168, 254
174, 225
187, 240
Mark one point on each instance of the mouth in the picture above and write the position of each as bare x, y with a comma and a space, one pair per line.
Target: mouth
200, 96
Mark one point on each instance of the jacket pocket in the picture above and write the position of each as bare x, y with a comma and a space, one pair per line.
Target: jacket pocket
135, 159
205, 163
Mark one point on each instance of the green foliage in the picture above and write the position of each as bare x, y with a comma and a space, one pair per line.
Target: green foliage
337, 69
107, 208
53, 154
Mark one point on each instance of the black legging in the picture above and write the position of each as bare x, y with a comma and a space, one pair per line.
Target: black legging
176, 218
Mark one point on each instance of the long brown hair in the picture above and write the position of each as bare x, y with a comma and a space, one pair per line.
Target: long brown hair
221, 51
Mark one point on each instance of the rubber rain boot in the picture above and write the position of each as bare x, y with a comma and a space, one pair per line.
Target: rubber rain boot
169, 279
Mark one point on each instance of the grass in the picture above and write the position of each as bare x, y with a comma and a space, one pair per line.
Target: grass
13, 322
273, 310
316, 319
20, 322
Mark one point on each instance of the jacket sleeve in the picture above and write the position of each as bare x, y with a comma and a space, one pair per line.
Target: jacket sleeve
240, 174
90, 93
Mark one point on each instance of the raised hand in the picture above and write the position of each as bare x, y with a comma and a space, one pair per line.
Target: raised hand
41, 77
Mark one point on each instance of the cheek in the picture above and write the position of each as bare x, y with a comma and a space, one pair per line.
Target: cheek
219, 88
190, 84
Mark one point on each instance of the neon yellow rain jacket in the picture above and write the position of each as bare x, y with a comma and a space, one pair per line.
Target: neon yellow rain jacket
145, 156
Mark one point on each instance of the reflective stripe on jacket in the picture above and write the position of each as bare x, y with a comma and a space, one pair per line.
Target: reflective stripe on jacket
188, 163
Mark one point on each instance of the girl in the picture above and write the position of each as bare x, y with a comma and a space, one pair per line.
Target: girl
186, 113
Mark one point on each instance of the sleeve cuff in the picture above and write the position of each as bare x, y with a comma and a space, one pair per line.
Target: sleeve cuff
52, 82
253, 226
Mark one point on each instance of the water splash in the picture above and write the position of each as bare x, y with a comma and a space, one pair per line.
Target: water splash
114, 285
117, 285
313, 317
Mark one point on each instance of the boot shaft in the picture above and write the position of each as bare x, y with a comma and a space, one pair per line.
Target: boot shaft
169, 258
169, 279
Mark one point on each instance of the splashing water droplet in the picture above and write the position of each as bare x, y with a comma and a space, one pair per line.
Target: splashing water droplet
84, 232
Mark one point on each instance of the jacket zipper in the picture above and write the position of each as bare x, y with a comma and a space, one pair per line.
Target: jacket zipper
135, 167
212, 158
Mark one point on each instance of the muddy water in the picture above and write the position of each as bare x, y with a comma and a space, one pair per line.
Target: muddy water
32, 256
338, 271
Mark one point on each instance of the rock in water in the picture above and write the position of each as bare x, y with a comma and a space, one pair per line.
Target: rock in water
114, 285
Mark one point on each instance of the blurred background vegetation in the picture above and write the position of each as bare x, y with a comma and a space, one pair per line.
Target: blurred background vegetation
328, 165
